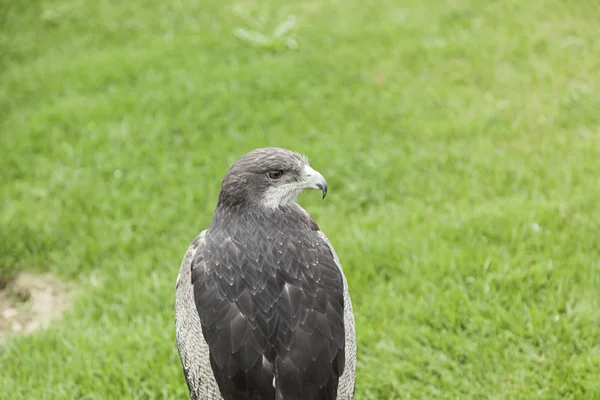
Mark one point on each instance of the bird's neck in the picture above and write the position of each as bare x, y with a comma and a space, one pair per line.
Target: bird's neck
253, 216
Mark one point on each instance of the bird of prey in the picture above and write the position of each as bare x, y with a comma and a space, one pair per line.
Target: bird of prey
262, 304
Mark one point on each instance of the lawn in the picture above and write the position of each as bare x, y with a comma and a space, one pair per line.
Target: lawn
460, 141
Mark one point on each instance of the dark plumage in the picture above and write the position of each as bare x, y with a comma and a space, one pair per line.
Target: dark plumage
267, 293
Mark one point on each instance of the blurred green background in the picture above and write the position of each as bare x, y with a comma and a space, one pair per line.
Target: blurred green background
460, 141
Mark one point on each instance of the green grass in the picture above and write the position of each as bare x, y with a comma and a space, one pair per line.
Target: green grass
460, 140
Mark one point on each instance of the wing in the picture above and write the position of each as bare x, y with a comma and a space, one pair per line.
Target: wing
347, 380
192, 348
272, 314
311, 341
235, 300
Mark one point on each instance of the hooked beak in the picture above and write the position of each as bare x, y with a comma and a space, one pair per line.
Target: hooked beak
314, 180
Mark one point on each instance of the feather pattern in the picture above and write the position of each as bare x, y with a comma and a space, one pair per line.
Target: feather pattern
263, 310
194, 350
270, 298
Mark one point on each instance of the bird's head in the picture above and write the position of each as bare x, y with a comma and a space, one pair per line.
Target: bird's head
269, 177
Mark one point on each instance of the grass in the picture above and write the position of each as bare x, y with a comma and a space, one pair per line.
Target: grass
460, 140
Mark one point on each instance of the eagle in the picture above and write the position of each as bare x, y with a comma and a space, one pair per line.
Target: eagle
262, 307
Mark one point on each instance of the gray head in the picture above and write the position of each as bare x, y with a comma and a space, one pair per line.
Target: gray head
269, 177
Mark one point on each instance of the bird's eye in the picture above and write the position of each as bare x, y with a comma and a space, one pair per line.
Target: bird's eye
275, 174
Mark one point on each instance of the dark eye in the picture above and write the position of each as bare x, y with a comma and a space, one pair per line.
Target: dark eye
275, 174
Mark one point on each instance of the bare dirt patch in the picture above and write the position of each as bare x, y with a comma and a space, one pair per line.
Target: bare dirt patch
29, 302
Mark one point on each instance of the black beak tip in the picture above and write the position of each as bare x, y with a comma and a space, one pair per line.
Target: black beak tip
323, 189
